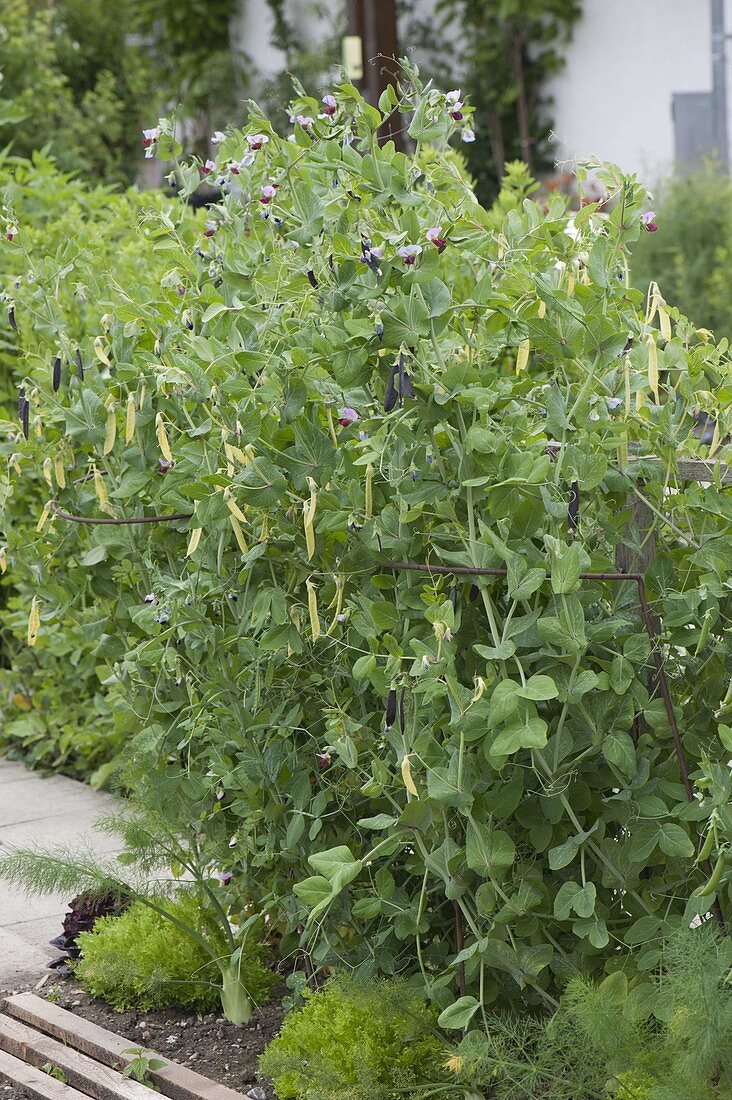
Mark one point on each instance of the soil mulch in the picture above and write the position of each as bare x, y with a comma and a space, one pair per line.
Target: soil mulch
208, 1043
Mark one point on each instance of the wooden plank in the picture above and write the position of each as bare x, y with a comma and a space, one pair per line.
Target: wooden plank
35, 1081
83, 1073
173, 1080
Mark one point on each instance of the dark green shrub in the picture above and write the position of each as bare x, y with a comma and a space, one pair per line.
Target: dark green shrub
142, 960
690, 257
355, 1041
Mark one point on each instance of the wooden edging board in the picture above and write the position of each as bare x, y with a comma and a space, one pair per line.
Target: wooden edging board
81, 1072
35, 1081
173, 1080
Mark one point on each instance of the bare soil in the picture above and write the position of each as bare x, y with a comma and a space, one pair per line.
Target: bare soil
208, 1044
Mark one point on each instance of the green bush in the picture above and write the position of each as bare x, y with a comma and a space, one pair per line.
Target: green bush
359, 642
690, 256
72, 83
48, 718
355, 1041
142, 960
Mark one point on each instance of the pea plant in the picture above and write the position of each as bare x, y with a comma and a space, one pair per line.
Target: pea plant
354, 489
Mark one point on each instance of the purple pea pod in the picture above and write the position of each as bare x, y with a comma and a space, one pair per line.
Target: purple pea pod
312, 280
392, 394
79, 365
56, 374
402, 722
11, 319
391, 708
23, 408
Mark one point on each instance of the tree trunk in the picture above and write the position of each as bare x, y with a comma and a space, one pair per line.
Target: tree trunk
522, 106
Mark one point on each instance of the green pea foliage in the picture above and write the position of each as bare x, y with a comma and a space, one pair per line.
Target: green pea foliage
357, 390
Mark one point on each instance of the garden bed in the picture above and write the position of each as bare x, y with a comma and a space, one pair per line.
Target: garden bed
207, 1044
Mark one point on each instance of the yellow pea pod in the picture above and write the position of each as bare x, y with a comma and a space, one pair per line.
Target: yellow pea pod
48, 472
3, 559
34, 622
407, 777
43, 518
100, 352
101, 490
652, 366
194, 541
337, 602
233, 506
163, 438
308, 515
664, 323
238, 534
130, 418
59, 471
110, 433
313, 609
542, 309
523, 356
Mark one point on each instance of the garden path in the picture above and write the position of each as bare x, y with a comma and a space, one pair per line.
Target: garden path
36, 810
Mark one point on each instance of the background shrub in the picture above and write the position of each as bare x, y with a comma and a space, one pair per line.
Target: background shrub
690, 257
141, 960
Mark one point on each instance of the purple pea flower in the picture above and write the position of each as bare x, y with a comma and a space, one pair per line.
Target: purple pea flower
323, 759
468, 135
304, 120
224, 877
409, 252
329, 105
149, 138
268, 193
218, 137
256, 141
347, 416
434, 235
208, 167
648, 221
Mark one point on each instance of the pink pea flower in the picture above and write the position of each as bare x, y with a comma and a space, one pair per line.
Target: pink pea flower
256, 141
208, 167
468, 135
329, 105
434, 235
409, 252
218, 137
323, 759
453, 97
224, 877
347, 416
648, 221
305, 121
9, 234
149, 139
210, 228
268, 193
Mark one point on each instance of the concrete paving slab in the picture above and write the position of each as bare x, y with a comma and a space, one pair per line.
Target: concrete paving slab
21, 963
42, 812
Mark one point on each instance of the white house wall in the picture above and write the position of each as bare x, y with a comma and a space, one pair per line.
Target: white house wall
627, 58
